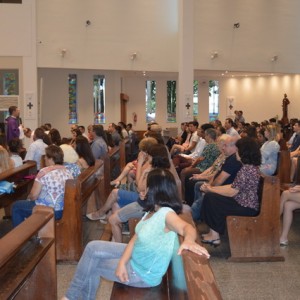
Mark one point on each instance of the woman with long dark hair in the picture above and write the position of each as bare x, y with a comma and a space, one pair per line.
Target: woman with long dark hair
84, 151
144, 260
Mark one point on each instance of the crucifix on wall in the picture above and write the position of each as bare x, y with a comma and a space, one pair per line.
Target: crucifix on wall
30, 106
188, 108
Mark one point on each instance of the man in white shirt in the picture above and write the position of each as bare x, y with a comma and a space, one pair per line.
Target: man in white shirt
182, 160
37, 148
229, 128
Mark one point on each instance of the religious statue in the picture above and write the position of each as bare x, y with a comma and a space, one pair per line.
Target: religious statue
285, 103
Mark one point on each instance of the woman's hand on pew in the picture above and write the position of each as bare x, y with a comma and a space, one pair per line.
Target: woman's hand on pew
194, 247
176, 224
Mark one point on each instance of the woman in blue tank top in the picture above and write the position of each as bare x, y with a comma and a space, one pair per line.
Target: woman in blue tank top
144, 260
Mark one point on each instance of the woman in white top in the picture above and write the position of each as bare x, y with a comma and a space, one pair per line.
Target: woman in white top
269, 151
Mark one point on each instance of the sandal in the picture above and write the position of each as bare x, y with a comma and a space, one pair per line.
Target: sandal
115, 183
93, 217
284, 243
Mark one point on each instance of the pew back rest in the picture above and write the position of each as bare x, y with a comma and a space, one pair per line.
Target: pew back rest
257, 238
23, 178
284, 166
177, 179
69, 229
114, 159
25, 253
18, 173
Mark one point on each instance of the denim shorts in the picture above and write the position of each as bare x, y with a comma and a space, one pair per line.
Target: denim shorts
126, 197
132, 210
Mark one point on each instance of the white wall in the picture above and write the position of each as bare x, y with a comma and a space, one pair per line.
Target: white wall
15, 29
118, 29
150, 28
259, 97
18, 50
54, 97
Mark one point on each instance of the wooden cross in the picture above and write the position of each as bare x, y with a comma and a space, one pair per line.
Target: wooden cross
30, 105
188, 106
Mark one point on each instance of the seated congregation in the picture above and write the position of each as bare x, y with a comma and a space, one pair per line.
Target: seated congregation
217, 170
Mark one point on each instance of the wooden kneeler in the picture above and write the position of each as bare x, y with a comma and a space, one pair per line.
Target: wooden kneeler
257, 238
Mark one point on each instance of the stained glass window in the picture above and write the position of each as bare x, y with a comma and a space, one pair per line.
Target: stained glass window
195, 98
213, 100
73, 99
171, 101
99, 99
9, 82
150, 100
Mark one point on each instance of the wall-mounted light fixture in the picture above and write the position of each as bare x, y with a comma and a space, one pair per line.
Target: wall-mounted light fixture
274, 58
214, 55
63, 52
133, 56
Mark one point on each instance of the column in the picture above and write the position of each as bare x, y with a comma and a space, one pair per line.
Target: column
29, 73
186, 61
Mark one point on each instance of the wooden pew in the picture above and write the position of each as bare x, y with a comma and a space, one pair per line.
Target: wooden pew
115, 158
27, 259
284, 167
284, 171
177, 179
188, 277
23, 181
257, 238
69, 229
124, 144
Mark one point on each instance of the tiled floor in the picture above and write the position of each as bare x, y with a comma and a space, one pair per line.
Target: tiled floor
264, 280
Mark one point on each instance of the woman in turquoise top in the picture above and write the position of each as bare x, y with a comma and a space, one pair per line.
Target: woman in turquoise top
145, 259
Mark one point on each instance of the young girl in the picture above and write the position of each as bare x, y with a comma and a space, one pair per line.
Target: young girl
144, 261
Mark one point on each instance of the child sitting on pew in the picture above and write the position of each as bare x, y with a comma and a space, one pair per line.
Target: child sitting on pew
144, 261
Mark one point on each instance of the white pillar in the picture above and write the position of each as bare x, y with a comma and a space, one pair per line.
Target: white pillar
186, 61
30, 96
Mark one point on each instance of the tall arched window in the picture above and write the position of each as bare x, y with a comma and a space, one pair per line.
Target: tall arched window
195, 98
213, 99
150, 100
99, 99
171, 101
72, 79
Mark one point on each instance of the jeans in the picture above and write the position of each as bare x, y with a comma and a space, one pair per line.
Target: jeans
198, 199
100, 258
22, 210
